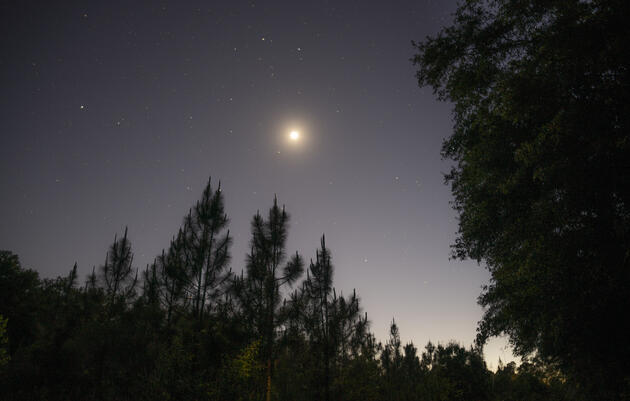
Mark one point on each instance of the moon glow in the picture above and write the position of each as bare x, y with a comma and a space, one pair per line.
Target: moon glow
294, 135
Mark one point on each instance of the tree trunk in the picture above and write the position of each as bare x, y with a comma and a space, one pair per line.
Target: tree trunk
268, 397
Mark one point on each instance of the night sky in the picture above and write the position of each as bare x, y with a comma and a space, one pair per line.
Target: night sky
115, 114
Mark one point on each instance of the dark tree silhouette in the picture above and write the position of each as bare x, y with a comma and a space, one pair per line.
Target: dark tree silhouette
267, 272
117, 276
542, 174
18, 300
206, 248
455, 373
391, 362
169, 275
112, 339
333, 325
319, 305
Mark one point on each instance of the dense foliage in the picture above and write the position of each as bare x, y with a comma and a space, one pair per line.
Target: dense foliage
541, 145
186, 328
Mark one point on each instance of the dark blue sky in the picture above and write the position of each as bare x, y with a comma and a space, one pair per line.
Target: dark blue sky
115, 114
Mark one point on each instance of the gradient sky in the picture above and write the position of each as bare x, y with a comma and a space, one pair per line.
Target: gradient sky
115, 114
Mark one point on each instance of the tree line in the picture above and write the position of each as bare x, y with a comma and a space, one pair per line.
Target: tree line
187, 327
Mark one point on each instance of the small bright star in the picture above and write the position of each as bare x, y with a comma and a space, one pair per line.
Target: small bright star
294, 135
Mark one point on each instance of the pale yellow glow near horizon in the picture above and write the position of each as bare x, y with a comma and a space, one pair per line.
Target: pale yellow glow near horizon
294, 135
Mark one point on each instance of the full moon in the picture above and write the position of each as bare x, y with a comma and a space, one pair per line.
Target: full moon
294, 135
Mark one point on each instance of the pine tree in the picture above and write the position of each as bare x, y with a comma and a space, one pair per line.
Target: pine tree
170, 272
206, 246
117, 276
267, 272
318, 294
151, 286
391, 362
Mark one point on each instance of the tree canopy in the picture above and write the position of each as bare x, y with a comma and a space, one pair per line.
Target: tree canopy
541, 176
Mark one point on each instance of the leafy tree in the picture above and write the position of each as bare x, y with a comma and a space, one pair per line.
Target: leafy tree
19, 302
541, 177
455, 373
525, 382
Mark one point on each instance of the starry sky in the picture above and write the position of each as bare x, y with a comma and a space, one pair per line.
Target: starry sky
115, 114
